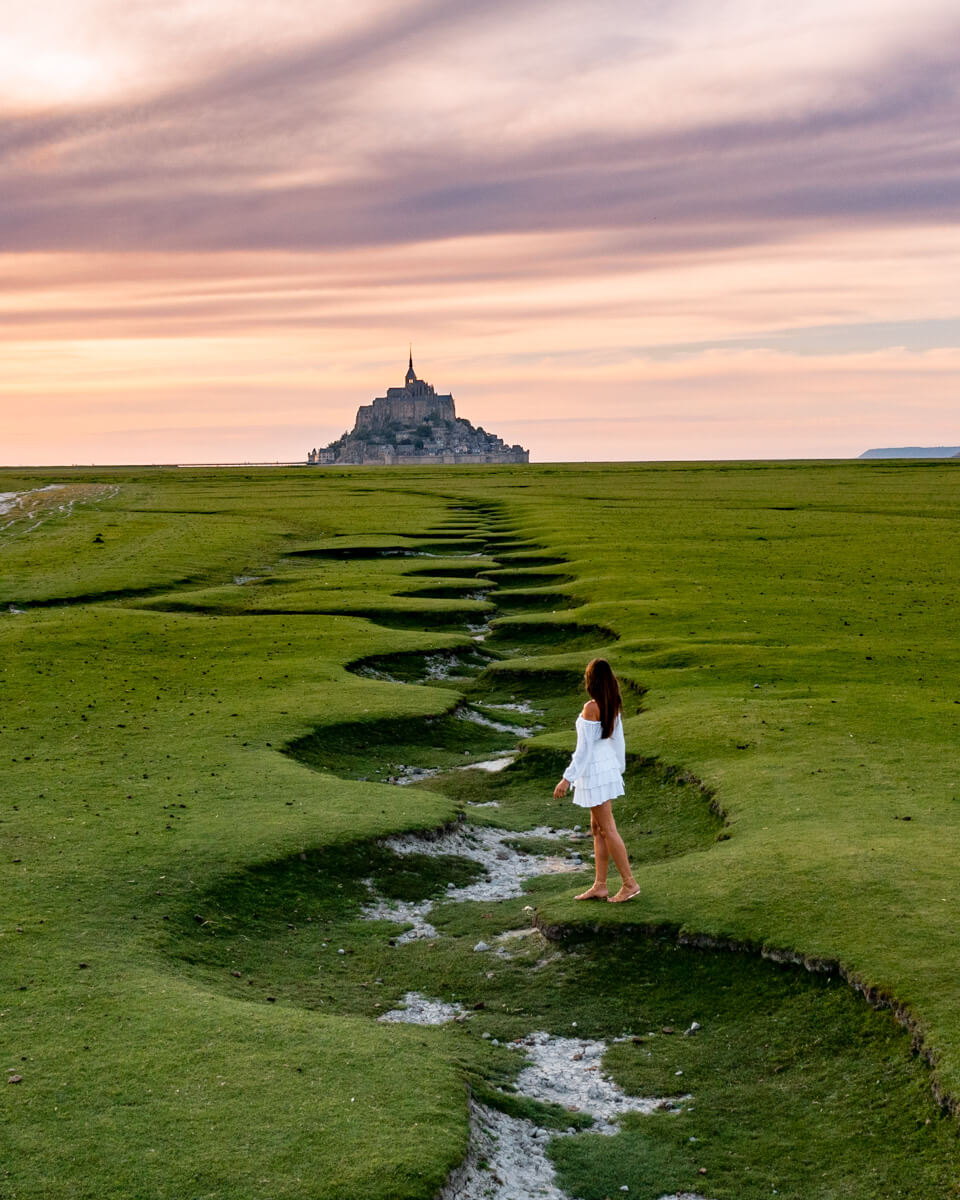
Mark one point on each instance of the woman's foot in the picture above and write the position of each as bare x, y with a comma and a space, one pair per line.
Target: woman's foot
626, 893
597, 892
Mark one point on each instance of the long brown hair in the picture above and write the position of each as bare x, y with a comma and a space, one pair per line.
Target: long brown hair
601, 684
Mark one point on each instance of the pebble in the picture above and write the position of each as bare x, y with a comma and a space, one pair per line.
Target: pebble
480, 946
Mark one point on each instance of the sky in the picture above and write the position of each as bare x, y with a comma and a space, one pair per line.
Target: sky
628, 229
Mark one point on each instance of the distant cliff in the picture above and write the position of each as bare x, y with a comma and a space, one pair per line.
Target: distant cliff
914, 452
413, 425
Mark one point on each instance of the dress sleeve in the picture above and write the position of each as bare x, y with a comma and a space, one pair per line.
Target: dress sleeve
582, 752
620, 745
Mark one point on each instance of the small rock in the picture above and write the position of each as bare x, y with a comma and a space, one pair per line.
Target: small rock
479, 947
693, 1029
667, 1029
14, 1079
703, 1171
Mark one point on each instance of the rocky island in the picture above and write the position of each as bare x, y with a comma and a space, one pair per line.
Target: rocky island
414, 425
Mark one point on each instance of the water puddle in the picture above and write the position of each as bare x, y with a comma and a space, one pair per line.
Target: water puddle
402, 776
38, 505
522, 731
11, 500
448, 666
522, 706
506, 869
507, 1157
493, 765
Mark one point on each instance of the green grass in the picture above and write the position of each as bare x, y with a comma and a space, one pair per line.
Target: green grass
177, 746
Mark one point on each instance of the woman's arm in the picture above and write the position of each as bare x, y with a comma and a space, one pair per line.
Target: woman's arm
620, 745
585, 737
580, 755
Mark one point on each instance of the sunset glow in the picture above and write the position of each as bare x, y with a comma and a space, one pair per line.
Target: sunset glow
614, 231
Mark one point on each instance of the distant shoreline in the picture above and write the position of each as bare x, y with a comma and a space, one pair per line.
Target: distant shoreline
866, 457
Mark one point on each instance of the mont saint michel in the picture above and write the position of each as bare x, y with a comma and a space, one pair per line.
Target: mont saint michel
414, 425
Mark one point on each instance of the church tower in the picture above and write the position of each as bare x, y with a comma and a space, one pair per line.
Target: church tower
411, 375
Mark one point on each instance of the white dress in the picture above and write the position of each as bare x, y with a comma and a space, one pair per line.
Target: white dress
596, 769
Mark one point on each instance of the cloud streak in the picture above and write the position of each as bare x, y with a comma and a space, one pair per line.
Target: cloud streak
296, 150
537, 191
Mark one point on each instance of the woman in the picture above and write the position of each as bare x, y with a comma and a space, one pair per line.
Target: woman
596, 772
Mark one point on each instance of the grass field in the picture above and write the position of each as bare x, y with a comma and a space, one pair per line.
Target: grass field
208, 677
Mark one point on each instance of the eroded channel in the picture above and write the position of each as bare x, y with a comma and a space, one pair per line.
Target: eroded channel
629, 1065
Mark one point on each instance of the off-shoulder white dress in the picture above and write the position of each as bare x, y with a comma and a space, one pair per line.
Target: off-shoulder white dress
596, 769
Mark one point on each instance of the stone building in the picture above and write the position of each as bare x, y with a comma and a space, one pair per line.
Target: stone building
414, 425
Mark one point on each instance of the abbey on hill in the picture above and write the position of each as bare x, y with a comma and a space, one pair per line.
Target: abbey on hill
415, 425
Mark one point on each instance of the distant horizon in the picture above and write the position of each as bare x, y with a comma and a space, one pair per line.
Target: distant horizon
557, 462
666, 233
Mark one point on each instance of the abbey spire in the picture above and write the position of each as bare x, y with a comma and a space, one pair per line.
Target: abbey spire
411, 375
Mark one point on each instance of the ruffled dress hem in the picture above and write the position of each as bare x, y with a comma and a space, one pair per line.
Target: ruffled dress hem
590, 797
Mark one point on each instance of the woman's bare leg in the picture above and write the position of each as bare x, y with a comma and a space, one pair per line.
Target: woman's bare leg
601, 859
617, 850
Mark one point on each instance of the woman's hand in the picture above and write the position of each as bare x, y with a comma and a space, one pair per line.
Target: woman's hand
561, 789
